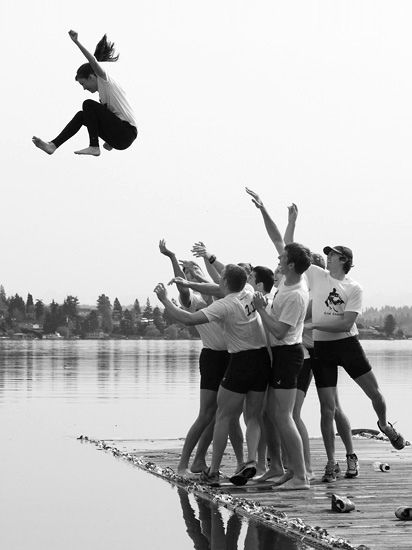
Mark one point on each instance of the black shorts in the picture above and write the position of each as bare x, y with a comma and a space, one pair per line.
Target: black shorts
287, 362
305, 373
212, 366
248, 371
347, 353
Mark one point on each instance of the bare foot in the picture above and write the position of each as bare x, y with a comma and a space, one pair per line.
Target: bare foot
293, 484
45, 146
272, 474
107, 146
198, 467
286, 476
93, 151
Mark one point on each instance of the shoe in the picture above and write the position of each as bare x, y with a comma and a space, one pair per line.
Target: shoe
352, 469
404, 513
337, 469
394, 437
212, 479
246, 472
330, 475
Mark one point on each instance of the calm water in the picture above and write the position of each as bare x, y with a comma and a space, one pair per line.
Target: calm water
56, 493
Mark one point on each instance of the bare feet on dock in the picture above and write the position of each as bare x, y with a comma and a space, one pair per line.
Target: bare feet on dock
93, 151
293, 484
283, 479
46, 146
107, 146
198, 467
273, 475
187, 474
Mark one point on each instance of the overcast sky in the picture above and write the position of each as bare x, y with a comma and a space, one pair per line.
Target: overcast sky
302, 101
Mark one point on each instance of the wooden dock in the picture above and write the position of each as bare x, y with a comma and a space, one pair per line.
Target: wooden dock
376, 495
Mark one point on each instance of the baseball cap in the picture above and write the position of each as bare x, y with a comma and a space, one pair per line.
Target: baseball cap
341, 250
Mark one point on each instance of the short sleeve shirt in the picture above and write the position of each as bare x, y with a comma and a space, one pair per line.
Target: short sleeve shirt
242, 326
211, 334
330, 299
114, 97
289, 306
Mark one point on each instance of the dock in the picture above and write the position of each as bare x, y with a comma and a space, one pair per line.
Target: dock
306, 515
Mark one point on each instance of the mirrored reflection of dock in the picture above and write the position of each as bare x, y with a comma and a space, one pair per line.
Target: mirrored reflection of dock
376, 494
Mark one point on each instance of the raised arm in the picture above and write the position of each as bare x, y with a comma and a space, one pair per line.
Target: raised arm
98, 70
271, 227
213, 265
180, 315
209, 289
177, 272
290, 228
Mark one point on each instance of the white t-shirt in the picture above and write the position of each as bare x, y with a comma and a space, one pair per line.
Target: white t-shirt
289, 306
330, 299
112, 95
242, 326
211, 333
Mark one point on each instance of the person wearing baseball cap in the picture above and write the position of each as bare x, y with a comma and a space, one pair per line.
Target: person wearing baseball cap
336, 304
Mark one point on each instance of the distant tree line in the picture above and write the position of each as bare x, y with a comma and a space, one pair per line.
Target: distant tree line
70, 319
391, 321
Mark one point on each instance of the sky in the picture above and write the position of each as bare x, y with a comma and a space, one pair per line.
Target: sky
302, 101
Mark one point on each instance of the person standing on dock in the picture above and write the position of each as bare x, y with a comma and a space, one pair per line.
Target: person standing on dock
249, 365
213, 362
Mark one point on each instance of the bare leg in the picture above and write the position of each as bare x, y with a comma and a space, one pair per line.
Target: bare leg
370, 386
327, 398
343, 426
206, 414
300, 397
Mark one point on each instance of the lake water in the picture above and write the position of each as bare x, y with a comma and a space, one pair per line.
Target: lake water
57, 493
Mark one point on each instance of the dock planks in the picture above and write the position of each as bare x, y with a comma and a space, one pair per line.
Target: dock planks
376, 495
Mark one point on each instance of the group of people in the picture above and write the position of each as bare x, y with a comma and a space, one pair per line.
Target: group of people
260, 350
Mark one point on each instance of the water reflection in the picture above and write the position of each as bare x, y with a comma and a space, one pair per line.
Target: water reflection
206, 527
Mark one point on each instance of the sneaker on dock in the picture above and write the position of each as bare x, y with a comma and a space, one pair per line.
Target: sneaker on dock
397, 439
352, 469
330, 473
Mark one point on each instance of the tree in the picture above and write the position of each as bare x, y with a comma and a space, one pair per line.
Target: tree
54, 318
117, 313
30, 313
158, 320
90, 323
39, 311
126, 324
389, 324
148, 310
70, 307
3, 303
104, 309
152, 332
17, 308
136, 307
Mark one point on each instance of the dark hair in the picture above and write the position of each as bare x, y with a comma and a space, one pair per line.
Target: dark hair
235, 277
298, 255
265, 276
247, 267
104, 52
317, 259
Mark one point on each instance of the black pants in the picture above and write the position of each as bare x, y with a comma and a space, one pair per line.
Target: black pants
100, 122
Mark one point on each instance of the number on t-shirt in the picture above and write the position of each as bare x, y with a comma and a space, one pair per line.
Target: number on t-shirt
250, 308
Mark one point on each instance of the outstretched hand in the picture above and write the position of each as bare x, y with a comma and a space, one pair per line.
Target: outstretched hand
179, 281
257, 201
164, 250
161, 292
292, 212
259, 301
199, 250
73, 35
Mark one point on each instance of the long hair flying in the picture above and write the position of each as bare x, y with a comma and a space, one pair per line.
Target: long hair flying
104, 52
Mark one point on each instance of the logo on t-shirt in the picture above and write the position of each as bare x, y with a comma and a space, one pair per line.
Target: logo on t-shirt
333, 300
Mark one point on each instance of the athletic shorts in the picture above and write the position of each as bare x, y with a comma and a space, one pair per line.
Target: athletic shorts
212, 366
305, 373
347, 353
286, 364
248, 371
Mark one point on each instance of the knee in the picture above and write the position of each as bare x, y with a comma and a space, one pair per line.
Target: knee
88, 104
327, 411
